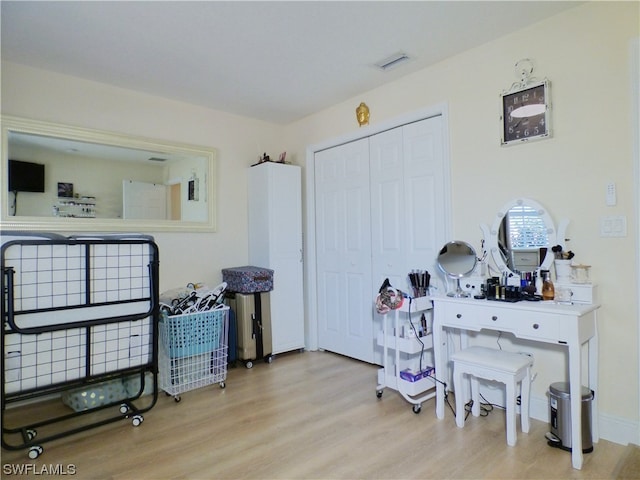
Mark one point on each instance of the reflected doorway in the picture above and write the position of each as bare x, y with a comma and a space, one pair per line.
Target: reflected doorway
174, 198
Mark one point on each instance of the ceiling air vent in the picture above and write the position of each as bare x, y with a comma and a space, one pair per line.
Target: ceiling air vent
157, 159
393, 61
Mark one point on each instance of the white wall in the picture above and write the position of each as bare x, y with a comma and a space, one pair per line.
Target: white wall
184, 257
585, 54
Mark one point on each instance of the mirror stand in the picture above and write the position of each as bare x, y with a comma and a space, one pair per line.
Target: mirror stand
459, 293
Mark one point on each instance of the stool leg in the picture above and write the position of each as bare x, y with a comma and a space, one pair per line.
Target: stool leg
525, 395
457, 386
510, 412
475, 396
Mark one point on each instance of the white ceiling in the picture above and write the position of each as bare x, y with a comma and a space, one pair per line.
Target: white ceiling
275, 61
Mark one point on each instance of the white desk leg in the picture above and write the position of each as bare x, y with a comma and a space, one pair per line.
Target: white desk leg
593, 381
440, 360
575, 392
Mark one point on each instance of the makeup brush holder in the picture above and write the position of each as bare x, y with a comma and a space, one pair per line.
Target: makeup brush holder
563, 271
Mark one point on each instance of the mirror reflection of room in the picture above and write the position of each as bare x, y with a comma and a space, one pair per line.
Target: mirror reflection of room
61, 177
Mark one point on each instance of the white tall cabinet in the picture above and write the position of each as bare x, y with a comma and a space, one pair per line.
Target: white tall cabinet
275, 242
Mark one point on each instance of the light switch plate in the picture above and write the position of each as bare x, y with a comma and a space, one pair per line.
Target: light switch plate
613, 226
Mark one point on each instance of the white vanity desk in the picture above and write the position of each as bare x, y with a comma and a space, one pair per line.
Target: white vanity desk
547, 322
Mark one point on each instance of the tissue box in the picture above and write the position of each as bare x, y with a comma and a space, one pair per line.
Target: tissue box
248, 279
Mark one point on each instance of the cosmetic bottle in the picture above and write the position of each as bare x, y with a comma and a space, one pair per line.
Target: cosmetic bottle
548, 290
537, 281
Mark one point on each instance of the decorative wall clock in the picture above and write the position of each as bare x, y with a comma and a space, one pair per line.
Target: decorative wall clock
526, 108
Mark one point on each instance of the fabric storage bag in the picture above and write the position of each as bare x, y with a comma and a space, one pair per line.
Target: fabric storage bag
248, 279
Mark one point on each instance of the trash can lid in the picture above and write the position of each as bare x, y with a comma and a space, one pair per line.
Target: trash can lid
561, 389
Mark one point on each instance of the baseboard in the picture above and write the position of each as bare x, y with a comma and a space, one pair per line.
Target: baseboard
619, 430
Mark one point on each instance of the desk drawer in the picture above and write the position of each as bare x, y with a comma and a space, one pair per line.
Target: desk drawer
523, 324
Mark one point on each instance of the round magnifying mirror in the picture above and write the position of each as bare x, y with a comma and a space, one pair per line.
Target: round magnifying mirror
457, 259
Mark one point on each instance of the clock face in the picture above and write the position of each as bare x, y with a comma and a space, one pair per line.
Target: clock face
525, 114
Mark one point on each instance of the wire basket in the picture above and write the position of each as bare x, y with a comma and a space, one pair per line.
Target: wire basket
193, 350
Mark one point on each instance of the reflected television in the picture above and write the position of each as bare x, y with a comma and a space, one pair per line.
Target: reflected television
26, 176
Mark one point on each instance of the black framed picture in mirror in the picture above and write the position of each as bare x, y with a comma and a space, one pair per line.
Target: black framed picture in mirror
65, 190
525, 113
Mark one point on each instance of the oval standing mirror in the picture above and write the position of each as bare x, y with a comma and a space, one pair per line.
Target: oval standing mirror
457, 259
521, 237
61, 178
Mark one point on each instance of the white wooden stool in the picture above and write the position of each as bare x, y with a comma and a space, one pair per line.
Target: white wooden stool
492, 364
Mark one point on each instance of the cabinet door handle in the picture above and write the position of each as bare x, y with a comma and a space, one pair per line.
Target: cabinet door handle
494, 318
459, 315
536, 326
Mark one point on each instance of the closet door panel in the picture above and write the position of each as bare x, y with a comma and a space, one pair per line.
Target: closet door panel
330, 255
387, 209
357, 296
424, 176
388, 259
329, 284
343, 242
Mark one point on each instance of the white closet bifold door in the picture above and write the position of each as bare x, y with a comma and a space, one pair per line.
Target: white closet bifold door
343, 244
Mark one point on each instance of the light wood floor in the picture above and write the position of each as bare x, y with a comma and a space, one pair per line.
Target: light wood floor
311, 415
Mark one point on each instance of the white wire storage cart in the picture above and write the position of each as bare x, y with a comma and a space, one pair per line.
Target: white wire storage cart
193, 350
408, 352
79, 321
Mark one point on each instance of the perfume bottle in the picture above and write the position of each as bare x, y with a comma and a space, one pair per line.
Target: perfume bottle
548, 290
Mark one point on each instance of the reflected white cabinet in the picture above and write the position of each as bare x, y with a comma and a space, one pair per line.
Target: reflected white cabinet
275, 242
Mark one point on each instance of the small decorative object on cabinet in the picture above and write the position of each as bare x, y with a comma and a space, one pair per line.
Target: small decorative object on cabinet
525, 107
406, 344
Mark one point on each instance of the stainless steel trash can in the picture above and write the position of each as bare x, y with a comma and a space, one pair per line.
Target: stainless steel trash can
560, 417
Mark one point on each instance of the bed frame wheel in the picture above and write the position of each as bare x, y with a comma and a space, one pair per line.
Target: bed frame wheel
35, 452
136, 420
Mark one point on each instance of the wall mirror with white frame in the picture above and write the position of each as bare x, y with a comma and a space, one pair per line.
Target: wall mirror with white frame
63, 178
522, 235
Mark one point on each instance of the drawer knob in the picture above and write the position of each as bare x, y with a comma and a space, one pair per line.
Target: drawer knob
459, 315
494, 318
536, 326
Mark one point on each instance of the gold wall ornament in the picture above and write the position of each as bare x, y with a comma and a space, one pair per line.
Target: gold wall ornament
362, 114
